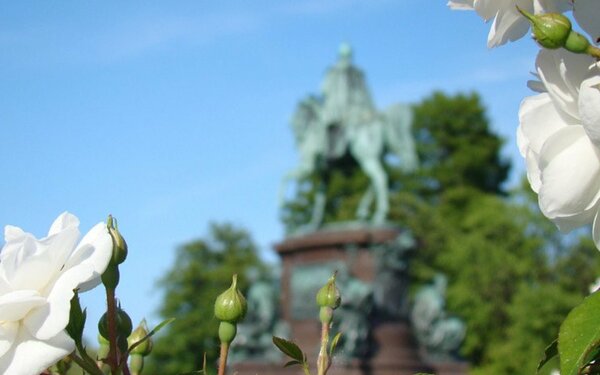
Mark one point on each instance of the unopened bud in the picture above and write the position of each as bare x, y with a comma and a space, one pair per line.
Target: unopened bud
329, 294
119, 245
138, 334
231, 305
62, 366
124, 325
550, 30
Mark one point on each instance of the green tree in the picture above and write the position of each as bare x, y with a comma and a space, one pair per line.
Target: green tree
202, 270
456, 146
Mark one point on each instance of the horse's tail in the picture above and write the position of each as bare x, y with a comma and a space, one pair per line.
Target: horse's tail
398, 138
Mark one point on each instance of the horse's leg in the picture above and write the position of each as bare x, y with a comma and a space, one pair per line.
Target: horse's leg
362, 212
303, 169
374, 170
366, 147
318, 210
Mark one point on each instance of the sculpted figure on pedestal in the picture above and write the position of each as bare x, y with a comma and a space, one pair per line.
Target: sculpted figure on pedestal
344, 121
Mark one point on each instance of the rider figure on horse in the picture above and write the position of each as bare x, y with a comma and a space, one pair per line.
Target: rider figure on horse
347, 102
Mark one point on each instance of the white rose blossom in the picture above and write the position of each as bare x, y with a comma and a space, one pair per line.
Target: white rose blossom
587, 14
508, 24
559, 137
37, 278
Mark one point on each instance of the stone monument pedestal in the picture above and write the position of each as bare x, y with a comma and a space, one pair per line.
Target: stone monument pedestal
395, 351
307, 263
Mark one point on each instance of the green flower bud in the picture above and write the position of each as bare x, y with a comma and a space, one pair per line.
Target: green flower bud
329, 294
62, 366
577, 43
103, 347
230, 305
137, 335
102, 341
136, 363
124, 326
119, 244
550, 30
227, 332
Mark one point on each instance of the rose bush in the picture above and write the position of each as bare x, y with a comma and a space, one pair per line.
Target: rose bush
37, 279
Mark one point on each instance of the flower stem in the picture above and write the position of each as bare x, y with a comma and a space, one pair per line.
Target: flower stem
593, 51
323, 361
93, 370
111, 308
223, 358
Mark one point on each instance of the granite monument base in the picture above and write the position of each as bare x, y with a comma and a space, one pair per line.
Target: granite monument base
307, 262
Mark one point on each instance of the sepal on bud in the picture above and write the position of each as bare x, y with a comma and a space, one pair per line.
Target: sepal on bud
119, 245
231, 305
77, 318
329, 294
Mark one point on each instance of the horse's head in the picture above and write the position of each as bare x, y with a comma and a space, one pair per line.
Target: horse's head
306, 117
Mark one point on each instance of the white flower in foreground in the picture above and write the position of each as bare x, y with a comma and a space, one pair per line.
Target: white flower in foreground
508, 24
587, 14
559, 137
37, 278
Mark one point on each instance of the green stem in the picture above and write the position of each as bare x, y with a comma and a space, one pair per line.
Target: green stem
94, 370
111, 308
323, 361
86, 357
593, 51
223, 358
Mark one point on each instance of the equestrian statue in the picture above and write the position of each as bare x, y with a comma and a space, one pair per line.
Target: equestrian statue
343, 120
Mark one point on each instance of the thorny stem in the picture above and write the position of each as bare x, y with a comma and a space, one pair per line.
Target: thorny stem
223, 358
113, 352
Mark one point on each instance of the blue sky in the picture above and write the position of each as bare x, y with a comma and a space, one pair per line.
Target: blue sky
170, 115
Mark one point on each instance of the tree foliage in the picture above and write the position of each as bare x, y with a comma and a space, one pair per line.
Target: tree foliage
202, 270
456, 147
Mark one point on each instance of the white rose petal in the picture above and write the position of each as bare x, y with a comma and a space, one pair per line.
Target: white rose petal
570, 173
587, 14
589, 108
37, 279
559, 137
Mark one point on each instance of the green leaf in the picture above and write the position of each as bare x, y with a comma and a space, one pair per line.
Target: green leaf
579, 335
292, 363
289, 348
550, 352
334, 343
